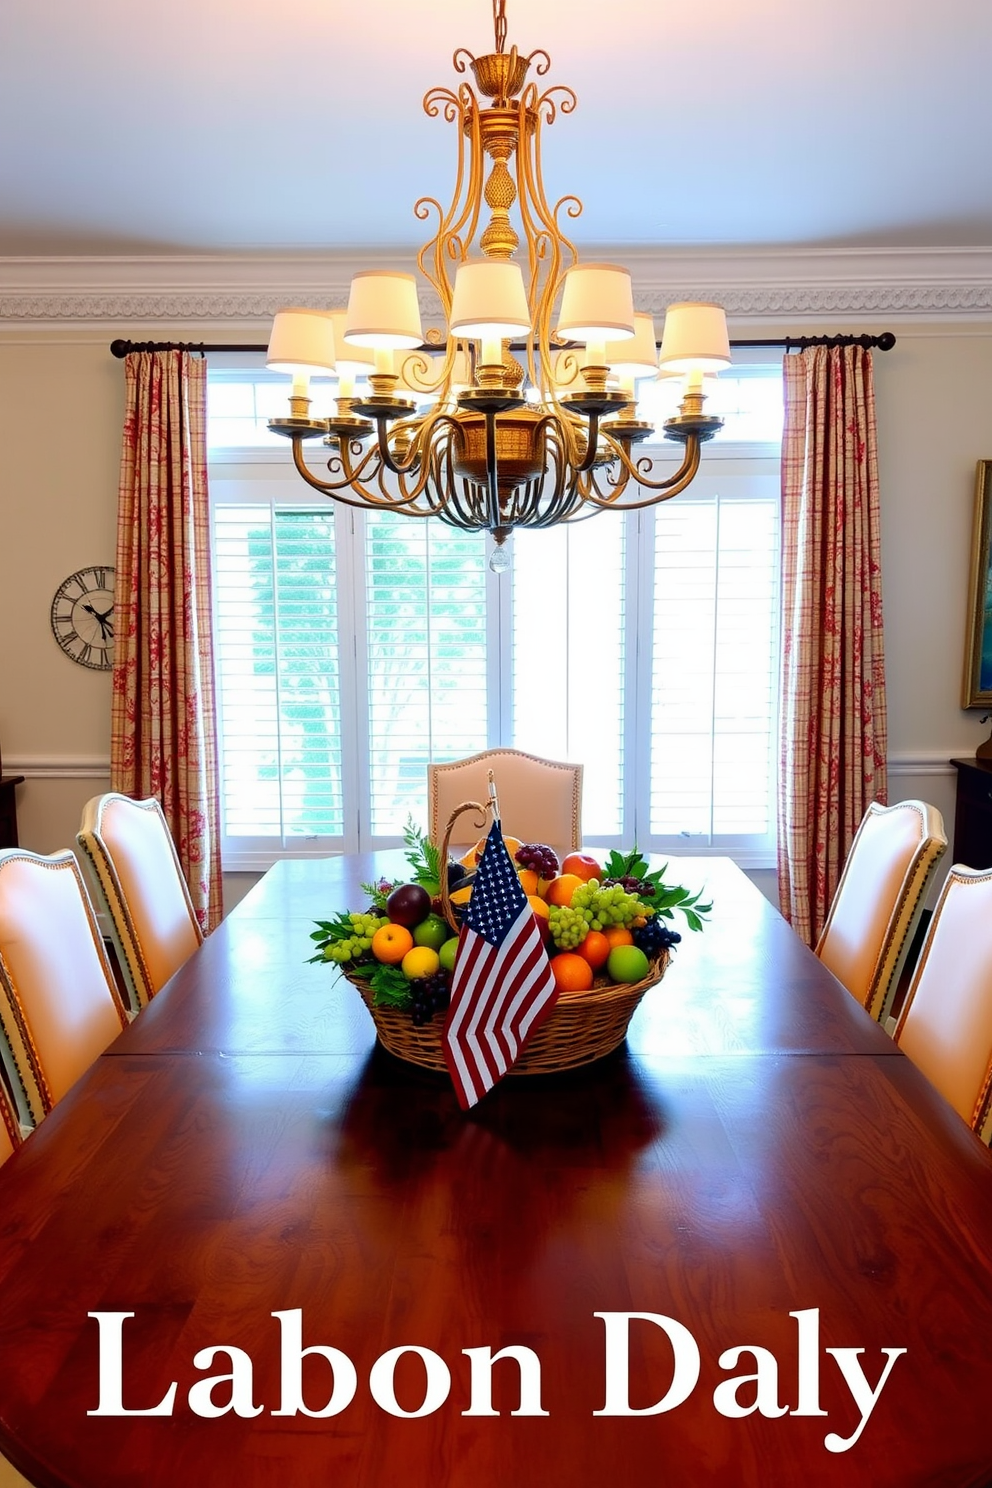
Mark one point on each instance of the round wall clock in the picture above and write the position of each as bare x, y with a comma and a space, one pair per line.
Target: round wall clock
83, 617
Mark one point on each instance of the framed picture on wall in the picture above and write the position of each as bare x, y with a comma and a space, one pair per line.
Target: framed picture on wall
977, 690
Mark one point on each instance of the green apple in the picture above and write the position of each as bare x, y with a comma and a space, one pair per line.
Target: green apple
447, 953
627, 963
432, 932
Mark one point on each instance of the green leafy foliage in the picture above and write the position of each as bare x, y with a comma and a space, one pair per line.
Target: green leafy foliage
663, 898
328, 932
390, 987
424, 858
378, 893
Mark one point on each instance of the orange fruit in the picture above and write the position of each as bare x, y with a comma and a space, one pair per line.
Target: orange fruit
617, 935
461, 896
471, 858
528, 879
561, 889
390, 944
595, 949
572, 973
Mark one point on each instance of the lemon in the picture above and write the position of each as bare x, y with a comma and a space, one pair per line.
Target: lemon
422, 961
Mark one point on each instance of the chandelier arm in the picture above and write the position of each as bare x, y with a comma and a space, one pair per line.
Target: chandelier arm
470, 516
664, 490
422, 492
592, 445
422, 433
448, 240
549, 238
617, 487
452, 232
690, 461
386, 501
563, 497
334, 489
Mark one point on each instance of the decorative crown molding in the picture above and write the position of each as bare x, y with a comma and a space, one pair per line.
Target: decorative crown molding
801, 284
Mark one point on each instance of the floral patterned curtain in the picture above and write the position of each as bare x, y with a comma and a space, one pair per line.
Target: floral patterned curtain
163, 734
834, 736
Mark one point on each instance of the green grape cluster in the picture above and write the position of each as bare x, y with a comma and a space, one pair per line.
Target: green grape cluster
569, 927
355, 947
606, 906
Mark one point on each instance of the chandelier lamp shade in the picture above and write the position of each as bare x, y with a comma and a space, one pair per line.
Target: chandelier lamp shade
522, 412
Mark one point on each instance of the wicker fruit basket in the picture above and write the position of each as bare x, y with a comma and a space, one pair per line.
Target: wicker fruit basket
581, 1028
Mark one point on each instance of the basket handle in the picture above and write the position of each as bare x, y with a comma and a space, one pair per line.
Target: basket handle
483, 810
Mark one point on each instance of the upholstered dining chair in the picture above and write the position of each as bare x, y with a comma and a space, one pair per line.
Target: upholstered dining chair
10, 1131
59, 1006
540, 800
880, 899
945, 1025
137, 881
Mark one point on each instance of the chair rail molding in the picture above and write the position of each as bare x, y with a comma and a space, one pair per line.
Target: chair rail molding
59, 766
804, 284
97, 766
929, 763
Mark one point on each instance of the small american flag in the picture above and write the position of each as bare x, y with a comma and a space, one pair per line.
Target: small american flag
503, 986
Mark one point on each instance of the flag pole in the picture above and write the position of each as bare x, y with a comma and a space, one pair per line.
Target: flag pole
493, 799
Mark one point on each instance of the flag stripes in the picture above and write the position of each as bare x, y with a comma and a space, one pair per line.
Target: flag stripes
503, 986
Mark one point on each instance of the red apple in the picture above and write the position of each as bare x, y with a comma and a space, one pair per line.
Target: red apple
582, 865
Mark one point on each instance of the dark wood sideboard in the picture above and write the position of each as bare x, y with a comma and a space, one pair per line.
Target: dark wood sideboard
8, 810
972, 844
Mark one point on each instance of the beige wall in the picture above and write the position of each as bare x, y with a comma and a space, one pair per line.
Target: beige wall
61, 407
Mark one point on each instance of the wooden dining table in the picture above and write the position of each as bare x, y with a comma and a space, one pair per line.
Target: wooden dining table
753, 1246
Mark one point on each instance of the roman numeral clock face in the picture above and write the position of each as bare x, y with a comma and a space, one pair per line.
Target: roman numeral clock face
83, 618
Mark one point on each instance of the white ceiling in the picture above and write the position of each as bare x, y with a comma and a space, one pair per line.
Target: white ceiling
206, 126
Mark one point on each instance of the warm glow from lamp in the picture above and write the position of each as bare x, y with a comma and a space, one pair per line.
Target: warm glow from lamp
597, 304
383, 311
695, 339
302, 341
637, 357
489, 302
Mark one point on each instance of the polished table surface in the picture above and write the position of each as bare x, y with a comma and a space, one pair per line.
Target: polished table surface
758, 1149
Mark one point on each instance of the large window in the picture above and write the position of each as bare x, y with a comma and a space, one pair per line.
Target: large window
353, 648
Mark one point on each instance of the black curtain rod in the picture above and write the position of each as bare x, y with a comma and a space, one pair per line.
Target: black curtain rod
883, 342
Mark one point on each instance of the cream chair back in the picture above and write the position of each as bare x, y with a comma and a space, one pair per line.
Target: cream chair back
59, 1007
539, 800
138, 882
880, 899
945, 1025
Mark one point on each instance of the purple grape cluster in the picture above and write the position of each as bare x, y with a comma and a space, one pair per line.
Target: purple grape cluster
639, 886
543, 860
655, 936
429, 995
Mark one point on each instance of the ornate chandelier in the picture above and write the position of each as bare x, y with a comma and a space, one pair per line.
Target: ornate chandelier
458, 427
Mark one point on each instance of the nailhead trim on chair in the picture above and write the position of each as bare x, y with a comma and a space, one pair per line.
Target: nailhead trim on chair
22, 1054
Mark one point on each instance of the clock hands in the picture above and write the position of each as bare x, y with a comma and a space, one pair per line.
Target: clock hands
103, 620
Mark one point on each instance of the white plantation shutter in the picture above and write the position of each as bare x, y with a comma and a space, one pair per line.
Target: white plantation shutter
276, 643
425, 634
714, 665
568, 657
352, 648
